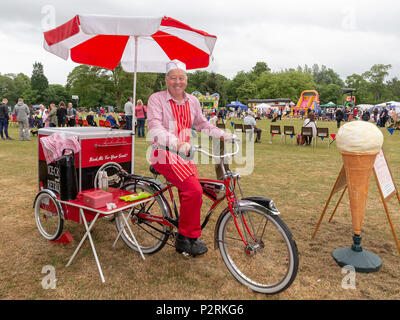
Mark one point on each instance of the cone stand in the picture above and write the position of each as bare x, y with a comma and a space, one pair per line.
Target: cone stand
358, 167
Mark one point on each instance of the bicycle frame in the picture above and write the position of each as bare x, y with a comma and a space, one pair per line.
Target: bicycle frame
230, 182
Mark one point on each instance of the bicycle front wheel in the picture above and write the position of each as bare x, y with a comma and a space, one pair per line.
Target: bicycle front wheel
268, 263
150, 234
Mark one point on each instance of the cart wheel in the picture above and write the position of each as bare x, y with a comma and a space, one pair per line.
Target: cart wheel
48, 215
114, 181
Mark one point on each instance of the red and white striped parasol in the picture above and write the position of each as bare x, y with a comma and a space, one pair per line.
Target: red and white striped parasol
141, 44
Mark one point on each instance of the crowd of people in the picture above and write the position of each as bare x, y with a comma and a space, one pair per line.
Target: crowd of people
30, 119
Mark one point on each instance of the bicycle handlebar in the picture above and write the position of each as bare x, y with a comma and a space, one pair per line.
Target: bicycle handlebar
197, 148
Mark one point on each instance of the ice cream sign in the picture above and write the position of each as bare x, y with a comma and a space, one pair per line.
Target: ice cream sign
360, 145
96, 152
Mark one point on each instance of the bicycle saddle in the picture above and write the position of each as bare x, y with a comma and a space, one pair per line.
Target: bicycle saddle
153, 171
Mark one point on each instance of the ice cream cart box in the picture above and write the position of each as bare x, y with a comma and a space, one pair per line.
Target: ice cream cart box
98, 146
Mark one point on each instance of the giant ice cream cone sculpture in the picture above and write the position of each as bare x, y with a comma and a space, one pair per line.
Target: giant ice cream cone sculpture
358, 167
359, 142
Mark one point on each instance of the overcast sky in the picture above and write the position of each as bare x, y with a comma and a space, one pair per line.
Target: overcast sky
346, 35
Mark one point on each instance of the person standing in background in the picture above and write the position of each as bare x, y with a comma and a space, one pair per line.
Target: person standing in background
141, 116
128, 110
53, 115
4, 120
22, 112
339, 116
71, 114
61, 114
383, 117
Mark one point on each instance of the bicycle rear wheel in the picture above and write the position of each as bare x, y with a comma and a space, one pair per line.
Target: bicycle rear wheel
268, 264
150, 234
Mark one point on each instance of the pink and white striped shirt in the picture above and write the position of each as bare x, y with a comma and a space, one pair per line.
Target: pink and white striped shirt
170, 121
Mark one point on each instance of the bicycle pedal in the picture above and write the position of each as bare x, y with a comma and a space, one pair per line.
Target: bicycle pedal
184, 253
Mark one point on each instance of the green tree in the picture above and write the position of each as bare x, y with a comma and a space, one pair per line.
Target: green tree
7, 88
260, 68
324, 76
286, 84
85, 82
363, 93
394, 88
210, 82
39, 81
376, 76
31, 96
330, 93
247, 90
54, 94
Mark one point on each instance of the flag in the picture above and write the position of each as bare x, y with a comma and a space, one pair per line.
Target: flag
391, 131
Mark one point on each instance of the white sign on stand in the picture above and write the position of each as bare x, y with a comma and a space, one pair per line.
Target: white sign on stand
383, 176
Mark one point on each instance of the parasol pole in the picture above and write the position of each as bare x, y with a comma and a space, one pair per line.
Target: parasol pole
134, 104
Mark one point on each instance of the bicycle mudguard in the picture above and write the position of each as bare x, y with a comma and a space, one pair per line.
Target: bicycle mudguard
265, 202
155, 183
53, 195
247, 202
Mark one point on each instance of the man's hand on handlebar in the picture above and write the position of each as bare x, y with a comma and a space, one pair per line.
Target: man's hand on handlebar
183, 148
229, 137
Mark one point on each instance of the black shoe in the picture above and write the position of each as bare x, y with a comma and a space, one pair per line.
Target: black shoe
190, 246
9, 138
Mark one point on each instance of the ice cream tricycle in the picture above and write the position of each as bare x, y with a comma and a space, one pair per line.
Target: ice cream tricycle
73, 184
255, 244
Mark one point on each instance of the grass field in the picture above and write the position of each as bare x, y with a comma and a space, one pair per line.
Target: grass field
299, 179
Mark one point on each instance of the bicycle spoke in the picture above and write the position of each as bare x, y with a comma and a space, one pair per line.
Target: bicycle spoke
266, 263
150, 235
149, 225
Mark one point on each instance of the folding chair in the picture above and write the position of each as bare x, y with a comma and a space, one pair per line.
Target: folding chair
323, 133
221, 125
101, 123
85, 123
289, 131
107, 124
307, 132
80, 122
275, 130
238, 127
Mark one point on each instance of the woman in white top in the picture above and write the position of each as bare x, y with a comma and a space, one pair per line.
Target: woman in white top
310, 122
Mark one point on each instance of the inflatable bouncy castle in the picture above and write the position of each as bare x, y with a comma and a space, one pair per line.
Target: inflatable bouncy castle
308, 99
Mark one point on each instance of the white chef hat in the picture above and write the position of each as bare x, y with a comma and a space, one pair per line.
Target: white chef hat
175, 64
